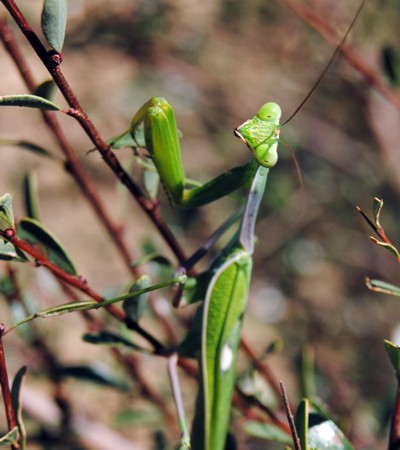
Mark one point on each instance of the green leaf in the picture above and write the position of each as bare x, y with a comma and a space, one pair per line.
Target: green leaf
376, 208
6, 212
393, 351
29, 101
191, 344
86, 305
96, 373
135, 306
16, 401
8, 252
123, 140
151, 257
267, 431
138, 417
26, 145
196, 288
111, 339
392, 249
391, 65
45, 89
382, 287
31, 195
34, 232
307, 373
10, 438
301, 422
326, 435
54, 21
65, 308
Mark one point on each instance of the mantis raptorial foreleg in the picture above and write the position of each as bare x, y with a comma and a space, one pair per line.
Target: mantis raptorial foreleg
260, 134
222, 316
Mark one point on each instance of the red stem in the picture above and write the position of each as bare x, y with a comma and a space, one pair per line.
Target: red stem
394, 438
80, 283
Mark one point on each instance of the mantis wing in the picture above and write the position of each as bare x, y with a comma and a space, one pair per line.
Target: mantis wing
223, 312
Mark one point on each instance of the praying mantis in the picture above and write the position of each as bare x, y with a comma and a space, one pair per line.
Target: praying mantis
226, 286
229, 277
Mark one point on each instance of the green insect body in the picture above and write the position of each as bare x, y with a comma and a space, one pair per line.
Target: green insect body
222, 316
226, 288
223, 312
261, 134
162, 141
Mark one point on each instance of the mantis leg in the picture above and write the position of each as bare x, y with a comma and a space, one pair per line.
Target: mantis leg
163, 144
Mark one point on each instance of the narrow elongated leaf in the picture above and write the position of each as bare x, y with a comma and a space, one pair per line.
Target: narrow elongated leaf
10, 438
54, 20
26, 145
36, 233
45, 89
123, 140
326, 435
382, 287
135, 306
65, 308
111, 339
31, 195
377, 207
392, 249
6, 212
196, 288
8, 252
29, 101
16, 401
393, 351
268, 432
301, 422
86, 305
97, 373
151, 257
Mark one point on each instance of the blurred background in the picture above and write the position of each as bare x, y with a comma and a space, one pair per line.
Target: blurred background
217, 62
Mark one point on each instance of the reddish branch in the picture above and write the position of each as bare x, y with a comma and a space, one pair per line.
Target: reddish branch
80, 283
73, 164
151, 208
5, 388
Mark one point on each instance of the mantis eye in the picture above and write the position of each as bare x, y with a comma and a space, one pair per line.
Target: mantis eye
269, 112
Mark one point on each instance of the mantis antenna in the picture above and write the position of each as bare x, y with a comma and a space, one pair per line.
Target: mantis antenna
335, 54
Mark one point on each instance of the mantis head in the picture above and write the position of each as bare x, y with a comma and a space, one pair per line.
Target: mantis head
261, 134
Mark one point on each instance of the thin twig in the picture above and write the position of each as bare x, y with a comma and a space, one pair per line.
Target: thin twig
5, 388
151, 208
80, 283
295, 436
